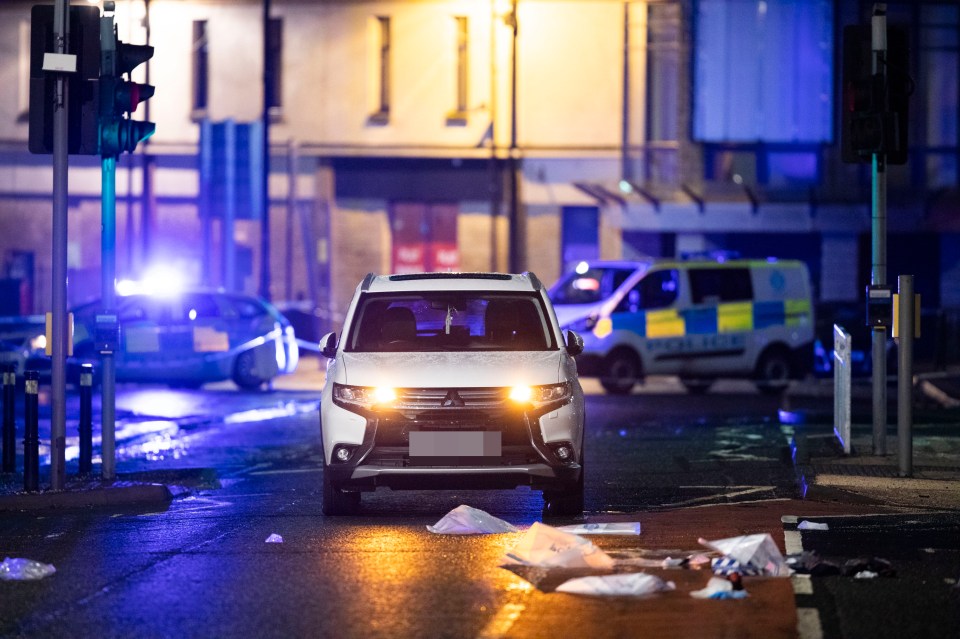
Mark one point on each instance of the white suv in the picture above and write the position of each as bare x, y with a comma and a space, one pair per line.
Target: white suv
452, 381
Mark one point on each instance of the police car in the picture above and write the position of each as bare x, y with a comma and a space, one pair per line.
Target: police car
699, 319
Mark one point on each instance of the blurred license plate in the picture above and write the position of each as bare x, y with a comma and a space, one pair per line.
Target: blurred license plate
455, 444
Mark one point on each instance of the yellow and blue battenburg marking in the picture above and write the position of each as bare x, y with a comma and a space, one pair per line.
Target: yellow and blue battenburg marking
730, 317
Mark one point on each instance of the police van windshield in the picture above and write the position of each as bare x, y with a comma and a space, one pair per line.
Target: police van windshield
589, 284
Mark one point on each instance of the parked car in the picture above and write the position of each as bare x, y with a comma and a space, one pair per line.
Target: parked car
452, 380
700, 319
184, 339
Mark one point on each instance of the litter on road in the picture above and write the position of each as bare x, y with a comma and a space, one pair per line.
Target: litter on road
19, 569
625, 528
810, 525
274, 539
748, 555
547, 547
635, 584
719, 588
467, 520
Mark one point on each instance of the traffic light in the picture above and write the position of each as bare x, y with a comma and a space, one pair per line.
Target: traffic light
874, 116
119, 97
83, 96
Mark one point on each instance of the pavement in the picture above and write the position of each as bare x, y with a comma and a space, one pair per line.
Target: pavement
825, 472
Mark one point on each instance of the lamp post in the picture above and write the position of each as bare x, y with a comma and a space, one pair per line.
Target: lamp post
518, 234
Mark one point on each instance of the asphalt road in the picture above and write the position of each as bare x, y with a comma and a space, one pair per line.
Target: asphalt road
685, 467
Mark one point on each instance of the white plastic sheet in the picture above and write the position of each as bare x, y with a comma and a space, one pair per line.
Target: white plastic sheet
719, 588
466, 520
19, 569
634, 584
548, 547
811, 525
274, 539
624, 528
756, 553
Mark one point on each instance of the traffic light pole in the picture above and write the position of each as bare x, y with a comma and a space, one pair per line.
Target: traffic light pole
108, 256
58, 419
878, 274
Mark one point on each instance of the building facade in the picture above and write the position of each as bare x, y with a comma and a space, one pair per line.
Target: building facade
495, 134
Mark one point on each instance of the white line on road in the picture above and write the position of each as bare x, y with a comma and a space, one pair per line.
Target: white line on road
747, 491
808, 623
808, 619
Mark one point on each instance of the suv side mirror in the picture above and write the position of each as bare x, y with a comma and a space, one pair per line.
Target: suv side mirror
574, 342
328, 345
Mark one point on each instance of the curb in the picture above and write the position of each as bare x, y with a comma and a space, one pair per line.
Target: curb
125, 494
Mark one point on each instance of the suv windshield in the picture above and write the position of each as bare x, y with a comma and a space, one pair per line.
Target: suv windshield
590, 285
450, 321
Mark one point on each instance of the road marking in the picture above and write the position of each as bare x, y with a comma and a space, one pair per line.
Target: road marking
808, 619
792, 542
747, 491
808, 623
802, 584
502, 622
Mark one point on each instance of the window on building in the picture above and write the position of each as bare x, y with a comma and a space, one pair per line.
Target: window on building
23, 72
763, 71
274, 59
939, 45
201, 70
661, 164
459, 114
381, 114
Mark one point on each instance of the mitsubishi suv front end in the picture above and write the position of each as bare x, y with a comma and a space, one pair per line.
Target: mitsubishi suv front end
452, 381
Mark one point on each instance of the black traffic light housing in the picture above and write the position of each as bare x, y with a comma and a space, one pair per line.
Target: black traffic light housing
83, 107
119, 98
875, 108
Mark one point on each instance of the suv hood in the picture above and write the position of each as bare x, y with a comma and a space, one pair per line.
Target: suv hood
445, 370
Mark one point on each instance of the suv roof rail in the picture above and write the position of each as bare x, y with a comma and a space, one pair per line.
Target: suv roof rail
367, 281
404, 277
534, 280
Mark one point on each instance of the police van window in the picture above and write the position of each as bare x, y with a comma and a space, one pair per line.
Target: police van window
720, 285
656, 290
589, 286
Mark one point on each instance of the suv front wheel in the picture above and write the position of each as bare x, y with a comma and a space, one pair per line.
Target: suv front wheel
337, 501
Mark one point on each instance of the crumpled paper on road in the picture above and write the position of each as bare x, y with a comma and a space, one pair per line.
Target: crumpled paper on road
757, 554
634, 584
467, 520
719, 588
548, 547
620, 528
19, 569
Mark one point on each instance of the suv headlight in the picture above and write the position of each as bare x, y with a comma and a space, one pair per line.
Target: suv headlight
540, 395
363, 396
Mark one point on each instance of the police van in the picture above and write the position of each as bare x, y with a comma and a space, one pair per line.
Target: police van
700, 319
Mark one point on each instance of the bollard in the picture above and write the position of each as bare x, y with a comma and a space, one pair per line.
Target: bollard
9, 438
31, 438
86, 419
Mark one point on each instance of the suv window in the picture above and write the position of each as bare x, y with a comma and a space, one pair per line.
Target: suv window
445, 321
720, 285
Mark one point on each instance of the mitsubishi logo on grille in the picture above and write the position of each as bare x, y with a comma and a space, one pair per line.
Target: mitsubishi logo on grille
452, 400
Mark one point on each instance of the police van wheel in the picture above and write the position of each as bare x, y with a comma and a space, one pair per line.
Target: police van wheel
621, 370
773, 372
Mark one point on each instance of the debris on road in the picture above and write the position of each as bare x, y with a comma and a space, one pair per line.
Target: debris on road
635, 584
881, 567
546, 546
466, 520
810, 525
274, 539
19, 569
625, 528
809, 563
720, 588
748, 555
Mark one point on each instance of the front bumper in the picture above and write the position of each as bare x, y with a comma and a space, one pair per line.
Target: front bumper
380, 448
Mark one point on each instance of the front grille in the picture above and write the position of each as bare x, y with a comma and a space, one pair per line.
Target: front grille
450, 398
452, 409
